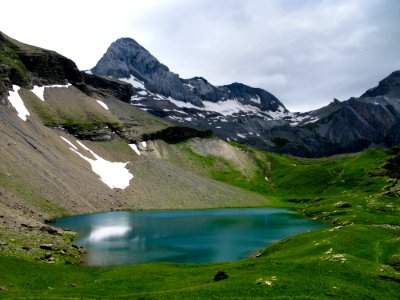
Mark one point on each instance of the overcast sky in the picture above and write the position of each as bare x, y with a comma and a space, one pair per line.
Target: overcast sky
305, 52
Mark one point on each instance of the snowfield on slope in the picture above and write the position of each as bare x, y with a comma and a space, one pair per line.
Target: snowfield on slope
39, 90
113, 174
102, 104
17, 103
136, 83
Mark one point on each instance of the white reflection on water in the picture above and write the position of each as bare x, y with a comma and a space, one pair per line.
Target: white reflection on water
105, 233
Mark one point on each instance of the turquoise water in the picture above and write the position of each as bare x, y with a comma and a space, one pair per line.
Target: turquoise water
118, 238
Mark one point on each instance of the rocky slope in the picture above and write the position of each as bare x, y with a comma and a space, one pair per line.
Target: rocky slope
372, 120
237, 112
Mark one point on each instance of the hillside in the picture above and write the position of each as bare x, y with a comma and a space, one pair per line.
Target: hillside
72, 144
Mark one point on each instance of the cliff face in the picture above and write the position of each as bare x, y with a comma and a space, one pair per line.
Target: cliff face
389, 87
26, 65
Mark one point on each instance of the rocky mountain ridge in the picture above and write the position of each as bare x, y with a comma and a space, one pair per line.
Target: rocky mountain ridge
237, 112
126, 58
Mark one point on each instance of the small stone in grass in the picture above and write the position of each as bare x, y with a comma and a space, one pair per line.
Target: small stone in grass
221, 275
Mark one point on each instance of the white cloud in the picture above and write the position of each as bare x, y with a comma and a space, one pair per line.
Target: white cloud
304, 52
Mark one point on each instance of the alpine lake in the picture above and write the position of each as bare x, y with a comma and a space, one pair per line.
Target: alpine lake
214, 235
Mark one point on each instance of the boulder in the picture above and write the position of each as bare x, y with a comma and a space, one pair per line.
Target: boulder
221, 275
47, 247
50, 230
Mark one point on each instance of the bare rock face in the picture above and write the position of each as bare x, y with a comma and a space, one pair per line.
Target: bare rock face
125, 57
390, 87
107, 86
173, 135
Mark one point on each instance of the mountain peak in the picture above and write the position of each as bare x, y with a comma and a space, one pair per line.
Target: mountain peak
390, 87
125, 58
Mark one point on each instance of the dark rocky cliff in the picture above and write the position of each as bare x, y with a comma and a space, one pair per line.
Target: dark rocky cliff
390, 87
25, 65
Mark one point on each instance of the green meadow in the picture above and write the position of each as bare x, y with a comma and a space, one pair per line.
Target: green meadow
357, 257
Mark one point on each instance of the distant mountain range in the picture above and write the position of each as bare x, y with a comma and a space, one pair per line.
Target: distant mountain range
237, 112
234, 112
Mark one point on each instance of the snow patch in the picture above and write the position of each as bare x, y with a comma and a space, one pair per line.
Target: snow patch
143, 93
39, 90
136, 98
191, 87
229, 107
175, 110
312, 120
102, 104
113, 174
182, 104
68, 142
135, 148
241, 135
176, 118
278, 114
256, 99
144, 144
17, 103
136, 83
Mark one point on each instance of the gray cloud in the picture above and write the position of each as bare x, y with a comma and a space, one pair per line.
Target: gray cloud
305, 52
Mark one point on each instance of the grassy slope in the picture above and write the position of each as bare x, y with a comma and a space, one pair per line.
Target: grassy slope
353, 261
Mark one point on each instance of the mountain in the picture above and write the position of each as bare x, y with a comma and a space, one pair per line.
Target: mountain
234, 111
237, 112
371, 120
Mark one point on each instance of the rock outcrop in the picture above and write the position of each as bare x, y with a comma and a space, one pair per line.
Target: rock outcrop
107, 86
25, 65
